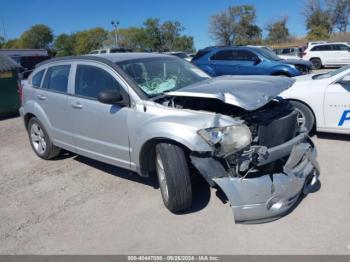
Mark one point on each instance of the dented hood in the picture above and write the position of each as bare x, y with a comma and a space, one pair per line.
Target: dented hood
247, 92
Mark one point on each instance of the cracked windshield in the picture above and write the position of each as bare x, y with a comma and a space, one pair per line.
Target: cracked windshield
156, 76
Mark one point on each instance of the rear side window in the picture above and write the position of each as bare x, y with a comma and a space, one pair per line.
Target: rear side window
322, 48
225, 55
244, 55
36, 79
91, 80
56, 78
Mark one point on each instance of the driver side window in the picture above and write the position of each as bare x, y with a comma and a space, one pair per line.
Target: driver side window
91, 80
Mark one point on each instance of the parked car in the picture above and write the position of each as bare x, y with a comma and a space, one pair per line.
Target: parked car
111, 50
245, 60
322, 101
153, 112
182, 55
328, 54
289, 52
9, 97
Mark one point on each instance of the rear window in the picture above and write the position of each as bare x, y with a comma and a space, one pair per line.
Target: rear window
200, 54
36, 79
322, 48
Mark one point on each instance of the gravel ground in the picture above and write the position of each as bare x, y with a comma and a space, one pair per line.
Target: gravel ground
73, 205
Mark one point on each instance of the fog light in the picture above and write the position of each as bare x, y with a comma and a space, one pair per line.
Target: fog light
275, 204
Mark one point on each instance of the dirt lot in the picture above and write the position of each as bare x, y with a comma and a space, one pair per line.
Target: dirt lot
74, 205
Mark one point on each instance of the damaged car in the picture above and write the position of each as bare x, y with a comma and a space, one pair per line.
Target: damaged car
158, 114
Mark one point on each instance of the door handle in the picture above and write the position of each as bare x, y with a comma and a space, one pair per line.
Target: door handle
41, 97
77, 105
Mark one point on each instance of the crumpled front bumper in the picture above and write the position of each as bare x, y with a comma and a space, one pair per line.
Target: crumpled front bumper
267, 197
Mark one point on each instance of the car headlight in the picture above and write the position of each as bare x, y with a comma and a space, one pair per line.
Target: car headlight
227, 140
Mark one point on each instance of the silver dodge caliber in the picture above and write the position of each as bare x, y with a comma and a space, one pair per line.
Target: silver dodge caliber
153, 113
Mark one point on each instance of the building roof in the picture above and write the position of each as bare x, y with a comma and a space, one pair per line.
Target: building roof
7, 63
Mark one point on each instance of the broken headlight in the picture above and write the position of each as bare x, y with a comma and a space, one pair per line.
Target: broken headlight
227, 140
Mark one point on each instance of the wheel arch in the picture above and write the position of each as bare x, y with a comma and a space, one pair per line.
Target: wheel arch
27, 118
308, 106
147, 153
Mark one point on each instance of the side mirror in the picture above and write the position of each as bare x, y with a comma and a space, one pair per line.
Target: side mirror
256, 60
112, 96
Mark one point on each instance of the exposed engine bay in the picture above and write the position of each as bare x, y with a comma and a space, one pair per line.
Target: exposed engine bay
271, 125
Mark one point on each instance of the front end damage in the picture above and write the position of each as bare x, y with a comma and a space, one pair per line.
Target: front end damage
265, 161
265, 196
264, 180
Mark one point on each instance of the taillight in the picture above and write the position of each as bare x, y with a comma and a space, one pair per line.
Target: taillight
20, 92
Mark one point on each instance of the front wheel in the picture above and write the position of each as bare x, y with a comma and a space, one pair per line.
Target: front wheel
173, 177
305, 116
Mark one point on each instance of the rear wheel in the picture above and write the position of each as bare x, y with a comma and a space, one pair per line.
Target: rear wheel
305, 116
316, 63
173, 177
40, 140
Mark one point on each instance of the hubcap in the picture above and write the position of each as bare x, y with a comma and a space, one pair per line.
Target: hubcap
161, 177
300, 118
38, 138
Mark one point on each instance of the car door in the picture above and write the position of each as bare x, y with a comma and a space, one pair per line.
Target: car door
248, 63
223, 62
342, 54
100, 130
52, 99
337, 104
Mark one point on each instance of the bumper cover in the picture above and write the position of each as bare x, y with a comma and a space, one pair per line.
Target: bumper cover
268, 197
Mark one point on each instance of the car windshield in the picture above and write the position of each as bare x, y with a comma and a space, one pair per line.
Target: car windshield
270, 55
155, 76
331, 73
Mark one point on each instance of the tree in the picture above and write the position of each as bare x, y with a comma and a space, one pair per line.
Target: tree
278, 31
318, 21
170, 33
184, 43
236, 25
12, 43
38, 36
339, 11
64, 44
153, 38
85, 41
2, 41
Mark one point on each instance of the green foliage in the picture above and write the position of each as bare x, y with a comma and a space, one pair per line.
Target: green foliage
236, 25
12, 43
64, 45
318, 21
85, 41
38, 36
278, 31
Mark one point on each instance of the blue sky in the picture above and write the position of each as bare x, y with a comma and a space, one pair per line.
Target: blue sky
69, 16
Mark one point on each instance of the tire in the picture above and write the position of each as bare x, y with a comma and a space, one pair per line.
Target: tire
305, 116
316, 63
173, 177
40, 141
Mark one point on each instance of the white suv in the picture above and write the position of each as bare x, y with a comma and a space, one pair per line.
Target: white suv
328, 54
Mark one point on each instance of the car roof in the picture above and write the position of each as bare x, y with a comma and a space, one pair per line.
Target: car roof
105, 58
119, 57
330, 43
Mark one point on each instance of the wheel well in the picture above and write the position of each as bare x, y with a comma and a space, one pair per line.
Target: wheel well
147, 154
27, 117
312, 111
315, 58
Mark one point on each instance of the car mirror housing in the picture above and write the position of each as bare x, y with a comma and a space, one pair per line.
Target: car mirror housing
110, 96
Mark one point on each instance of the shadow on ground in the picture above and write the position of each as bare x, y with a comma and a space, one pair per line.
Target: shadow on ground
200, 188
333, 136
